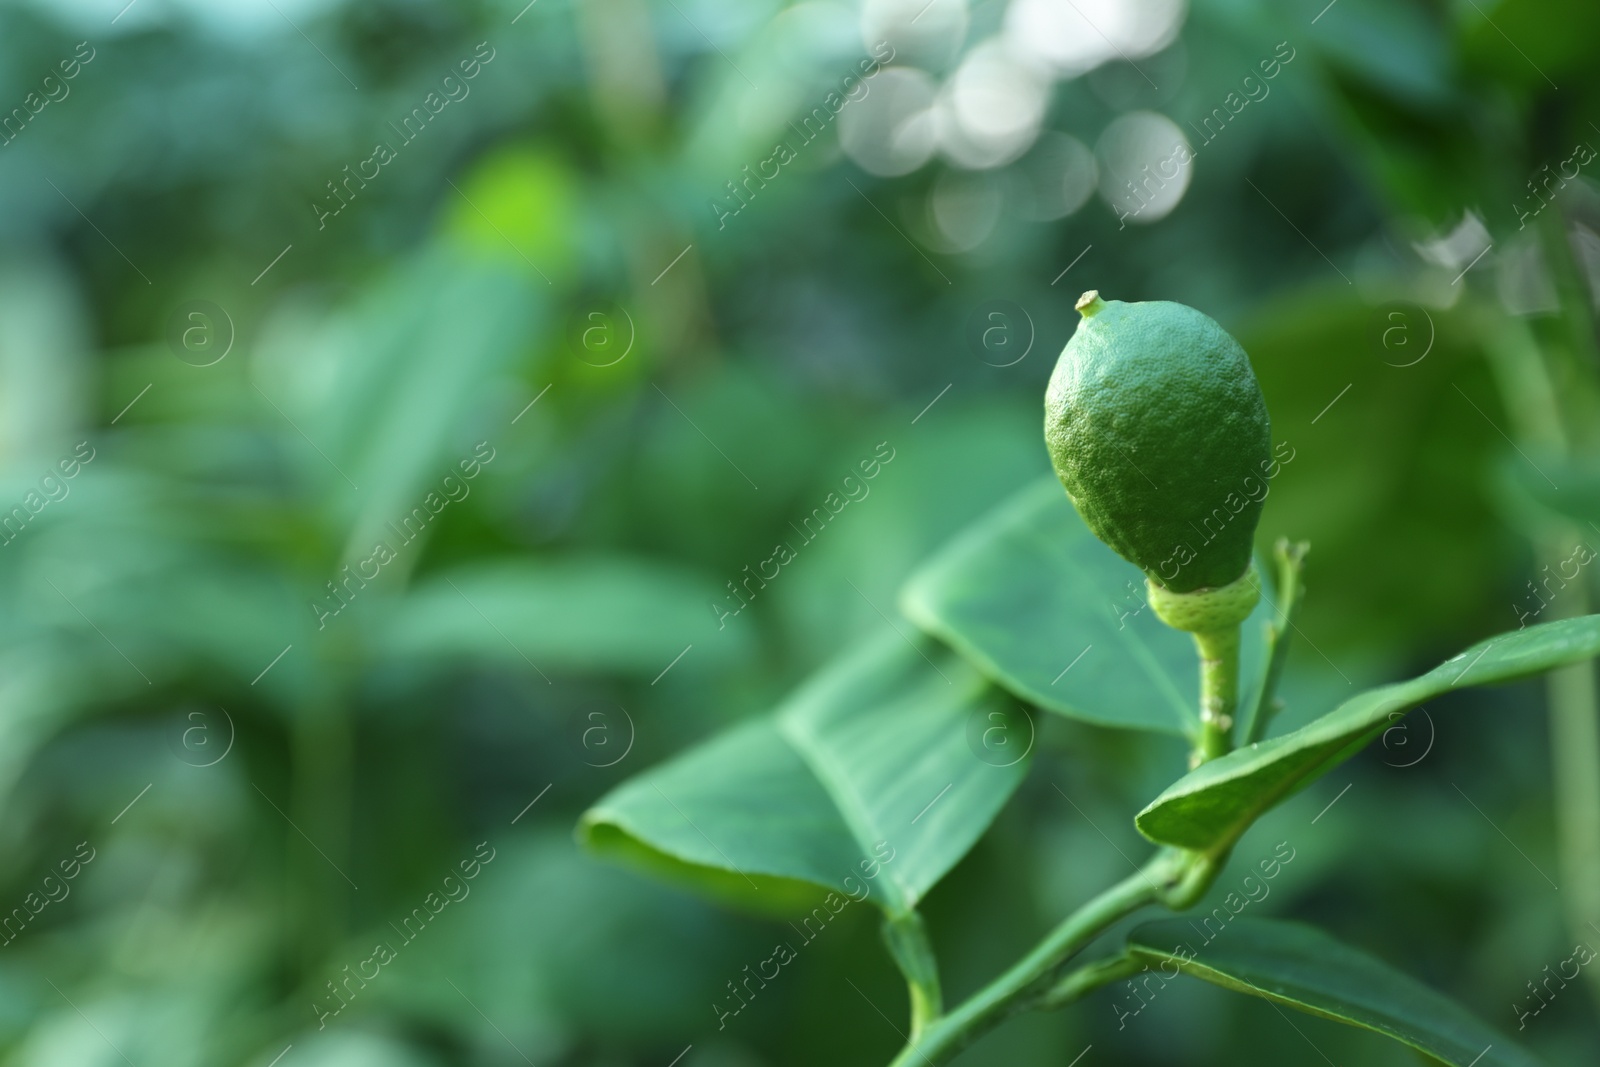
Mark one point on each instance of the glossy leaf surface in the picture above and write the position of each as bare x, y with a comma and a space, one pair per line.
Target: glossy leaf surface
1043, 607
1303, 968
873, 778
1209, 808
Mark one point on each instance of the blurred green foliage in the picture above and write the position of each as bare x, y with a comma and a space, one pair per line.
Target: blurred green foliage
270, 787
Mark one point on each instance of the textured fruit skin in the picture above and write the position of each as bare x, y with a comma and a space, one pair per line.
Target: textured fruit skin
1158, 431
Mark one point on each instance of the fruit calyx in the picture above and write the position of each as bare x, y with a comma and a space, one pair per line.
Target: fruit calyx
1206, 610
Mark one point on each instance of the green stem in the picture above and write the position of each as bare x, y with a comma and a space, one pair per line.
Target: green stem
1290, 559
1219, 690
1574, 702
1172, 877
1552, 395
1575, 775
1091, 976
1213, 616
1572, 363
319, 800
907, 937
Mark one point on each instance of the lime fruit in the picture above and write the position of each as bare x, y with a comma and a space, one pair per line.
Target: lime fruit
1158, 431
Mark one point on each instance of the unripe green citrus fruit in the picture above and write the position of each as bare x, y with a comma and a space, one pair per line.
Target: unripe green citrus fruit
1159, 432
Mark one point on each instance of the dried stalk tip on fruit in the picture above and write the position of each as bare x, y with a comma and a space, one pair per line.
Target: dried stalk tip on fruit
1158, 431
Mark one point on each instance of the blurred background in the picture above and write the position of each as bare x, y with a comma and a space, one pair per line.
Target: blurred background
392, 394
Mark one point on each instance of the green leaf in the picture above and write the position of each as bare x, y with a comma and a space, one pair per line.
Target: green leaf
1210, 807
1391, 50
388, 394
1335, 490
1551, 46
594, 613
1040, 605
871, 768
1302, 967
1531, 497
